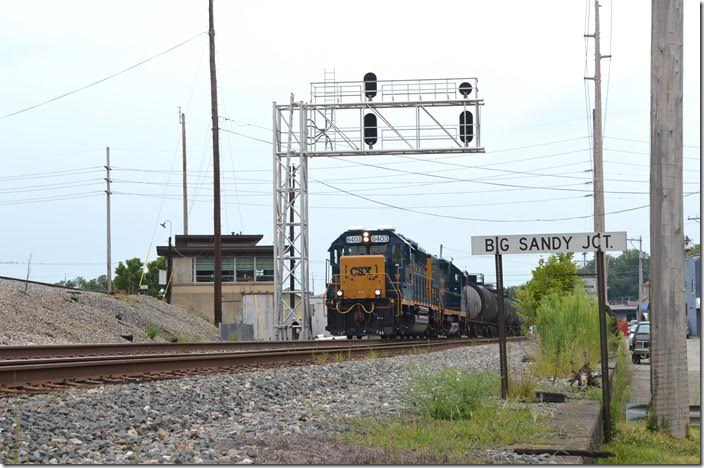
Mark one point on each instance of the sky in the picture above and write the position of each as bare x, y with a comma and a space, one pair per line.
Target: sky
530, 60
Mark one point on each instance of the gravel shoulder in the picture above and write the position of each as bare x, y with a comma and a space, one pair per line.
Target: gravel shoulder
46, 315
281, 415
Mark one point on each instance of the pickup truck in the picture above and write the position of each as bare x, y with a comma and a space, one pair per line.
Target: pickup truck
641, 343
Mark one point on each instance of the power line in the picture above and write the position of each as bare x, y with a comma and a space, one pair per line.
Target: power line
478, 219
102, 79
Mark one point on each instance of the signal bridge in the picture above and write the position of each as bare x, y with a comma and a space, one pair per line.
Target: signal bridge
354, 118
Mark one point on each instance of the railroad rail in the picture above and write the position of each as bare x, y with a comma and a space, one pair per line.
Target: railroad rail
41, 374
112, 349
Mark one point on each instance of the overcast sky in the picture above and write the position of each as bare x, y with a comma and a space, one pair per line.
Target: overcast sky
529, 58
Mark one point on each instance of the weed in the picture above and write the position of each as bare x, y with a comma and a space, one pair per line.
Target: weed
568, 332
338, 357
187, 338
620, 386
321, 358
522, 389
232, 336
372, 354
152, 330
635, 444
451, 395
131, 299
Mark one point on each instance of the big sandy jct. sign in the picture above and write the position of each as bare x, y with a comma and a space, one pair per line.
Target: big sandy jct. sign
549, 243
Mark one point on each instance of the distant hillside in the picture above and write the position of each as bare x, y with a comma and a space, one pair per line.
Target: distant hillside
51, 315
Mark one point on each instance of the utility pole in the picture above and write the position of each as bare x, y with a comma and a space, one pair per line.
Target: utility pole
185, 177
107, 191
440, 250
668, 368
640, 274
217, 240
599, 221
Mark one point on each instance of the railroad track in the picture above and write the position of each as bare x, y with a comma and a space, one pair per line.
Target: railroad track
84, 365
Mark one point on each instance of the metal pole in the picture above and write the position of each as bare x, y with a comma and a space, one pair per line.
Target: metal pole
503, 365
217, 240
169, 273
603, 342
640, 276
109, 246
185, 177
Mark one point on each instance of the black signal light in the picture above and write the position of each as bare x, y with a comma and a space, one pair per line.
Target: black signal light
370, 85
466, 126
370, 130
465, 88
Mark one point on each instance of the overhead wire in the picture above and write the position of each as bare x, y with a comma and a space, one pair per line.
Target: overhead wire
131, 67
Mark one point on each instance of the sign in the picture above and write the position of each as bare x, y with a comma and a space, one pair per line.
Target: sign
549, 243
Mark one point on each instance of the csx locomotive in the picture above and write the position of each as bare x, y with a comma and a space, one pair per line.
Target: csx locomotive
384, 284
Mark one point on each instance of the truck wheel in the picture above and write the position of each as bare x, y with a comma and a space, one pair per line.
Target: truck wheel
635, 358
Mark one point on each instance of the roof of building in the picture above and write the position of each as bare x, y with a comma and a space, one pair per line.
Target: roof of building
235, 244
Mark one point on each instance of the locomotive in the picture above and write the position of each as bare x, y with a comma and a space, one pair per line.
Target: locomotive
383, 284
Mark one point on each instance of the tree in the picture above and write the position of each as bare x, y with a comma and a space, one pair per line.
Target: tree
151, 277
99, 284
557, 274
129, 274
696, 249
622, 273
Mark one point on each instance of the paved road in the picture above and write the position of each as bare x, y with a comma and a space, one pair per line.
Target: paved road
640, 384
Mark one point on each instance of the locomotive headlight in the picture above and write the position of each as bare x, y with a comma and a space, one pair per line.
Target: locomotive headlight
377, 292
339, 293
365, 237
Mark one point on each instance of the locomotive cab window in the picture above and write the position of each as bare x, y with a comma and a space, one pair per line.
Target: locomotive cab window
396, 254
377, 250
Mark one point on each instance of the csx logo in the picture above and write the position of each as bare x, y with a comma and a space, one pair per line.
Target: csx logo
360, 271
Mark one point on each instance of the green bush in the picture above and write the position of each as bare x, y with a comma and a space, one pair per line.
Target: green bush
567, 325
449, 395
152, 330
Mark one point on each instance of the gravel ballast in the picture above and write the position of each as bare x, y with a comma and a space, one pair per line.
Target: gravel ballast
232, 418
34, 314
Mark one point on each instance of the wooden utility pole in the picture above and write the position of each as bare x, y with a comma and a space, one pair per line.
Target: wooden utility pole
185, 177
669, 382
217, 240
599, 217
107, 192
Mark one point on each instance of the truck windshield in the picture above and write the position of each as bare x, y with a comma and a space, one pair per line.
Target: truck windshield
644, 328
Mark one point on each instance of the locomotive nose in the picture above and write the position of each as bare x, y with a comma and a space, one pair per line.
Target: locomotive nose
362, 276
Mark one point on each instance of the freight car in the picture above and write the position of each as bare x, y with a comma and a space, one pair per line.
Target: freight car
384, 284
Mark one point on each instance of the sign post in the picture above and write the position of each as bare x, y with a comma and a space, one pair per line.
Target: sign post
598, 242
503, 364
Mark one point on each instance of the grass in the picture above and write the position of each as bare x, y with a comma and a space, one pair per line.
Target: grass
634, 444
450, 413
522, 389
152, 330
321, 358
620, 384
338, 357
568, 333
187, 338
372, 354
